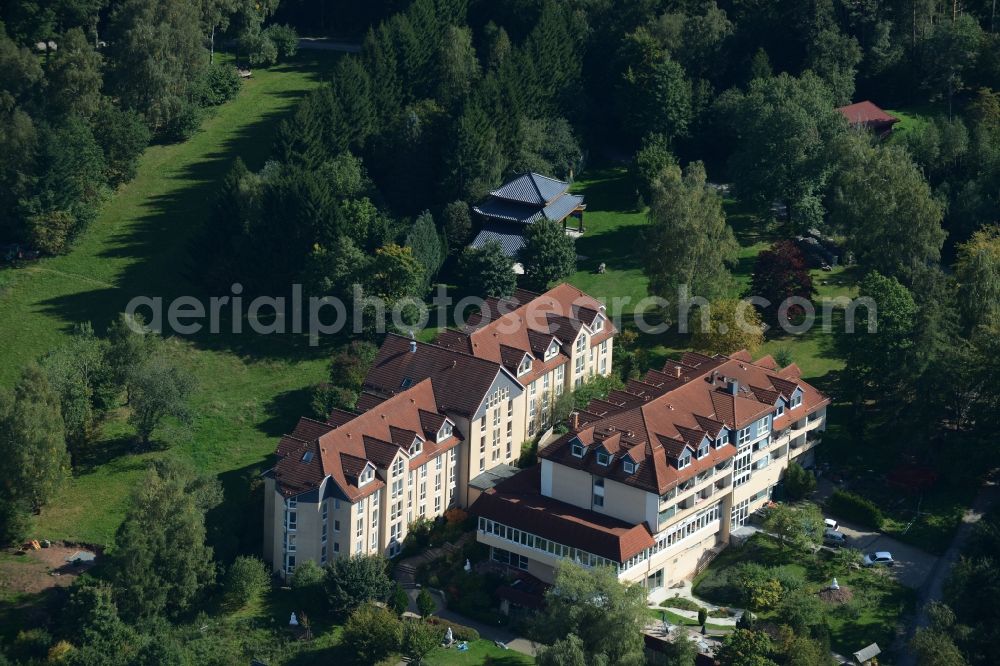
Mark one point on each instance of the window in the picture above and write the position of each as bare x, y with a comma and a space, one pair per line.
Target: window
604, 347
439, 462
703, 450
290, 567
423, 490
722, 439
629, 466
292, 503
482, 464
367, 474
763, 425
552, 350
684, 460
482, 424
604, 365
361, 527
291, 520
437, 504
336, 526
336, 547
307, 457
603, 458
579, 364
437, 483
598, 500
577, 448
581, 343
598, 324
796, 400
525, 365
780, 408
510, 409
398, 468
358, 547
397, 488
743, 436
322, 554
560, 379
416, 447
423, 472
445, 431
496, 418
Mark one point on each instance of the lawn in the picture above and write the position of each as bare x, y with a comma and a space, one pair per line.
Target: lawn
248, 390
479, 652
879, 603
613, 225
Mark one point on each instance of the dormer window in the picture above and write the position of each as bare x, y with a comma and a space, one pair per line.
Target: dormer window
552, 350
525, 366
577, 448
445, 431
628, 466
417, 446
703, 450
367, 475
684, 460
780, 408
598, 324
722, 439
796, 400
603, 458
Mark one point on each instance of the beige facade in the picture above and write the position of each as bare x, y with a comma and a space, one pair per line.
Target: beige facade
689, 524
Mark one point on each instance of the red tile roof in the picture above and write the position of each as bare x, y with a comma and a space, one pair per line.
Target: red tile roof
517, 502
315, 451
867, 114
655, 419
506, 328
461, 381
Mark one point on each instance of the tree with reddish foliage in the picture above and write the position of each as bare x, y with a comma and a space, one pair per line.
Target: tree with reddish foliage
780, 272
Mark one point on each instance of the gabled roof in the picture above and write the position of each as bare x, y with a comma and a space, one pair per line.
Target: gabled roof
461, 380
531, 188
377, 437
656, 418
866, 113
507, 235
527, 322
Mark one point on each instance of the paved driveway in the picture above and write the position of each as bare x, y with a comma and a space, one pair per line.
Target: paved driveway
913, 565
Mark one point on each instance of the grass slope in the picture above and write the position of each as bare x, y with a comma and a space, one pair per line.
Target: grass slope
246, 395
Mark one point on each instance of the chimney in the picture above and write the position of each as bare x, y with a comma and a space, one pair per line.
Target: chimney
732, 386
574, 421
677, 371
413, 343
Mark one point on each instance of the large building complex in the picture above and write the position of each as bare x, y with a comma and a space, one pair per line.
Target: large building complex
652, 479
431, 419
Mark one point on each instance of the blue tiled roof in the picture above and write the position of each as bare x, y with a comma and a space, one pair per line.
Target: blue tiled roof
510, 211
508, 235
563, 206
531, 188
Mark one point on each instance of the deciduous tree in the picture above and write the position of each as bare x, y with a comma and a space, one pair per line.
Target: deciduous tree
372, 633
605, 613
353, 581
725, 326
779, 273
548, 254
487, 271
688, 242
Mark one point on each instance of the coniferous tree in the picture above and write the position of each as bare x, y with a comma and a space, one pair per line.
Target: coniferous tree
473, 160
425, 243
161, 564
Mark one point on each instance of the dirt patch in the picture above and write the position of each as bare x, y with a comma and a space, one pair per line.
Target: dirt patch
837, 597
38, 570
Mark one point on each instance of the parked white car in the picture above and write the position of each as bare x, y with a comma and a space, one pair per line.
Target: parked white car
830, 523
882, 558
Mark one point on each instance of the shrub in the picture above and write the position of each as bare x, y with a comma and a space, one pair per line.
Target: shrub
849, 506
246, 581
372, 633
284, 38
459, 631
681, 602
307, 585
185, 123
326, 397
425, 604
217, 84
799, 481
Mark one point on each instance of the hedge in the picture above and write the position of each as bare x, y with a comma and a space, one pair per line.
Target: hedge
848, 506
459, 631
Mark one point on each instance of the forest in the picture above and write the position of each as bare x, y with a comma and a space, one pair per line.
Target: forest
369, 179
